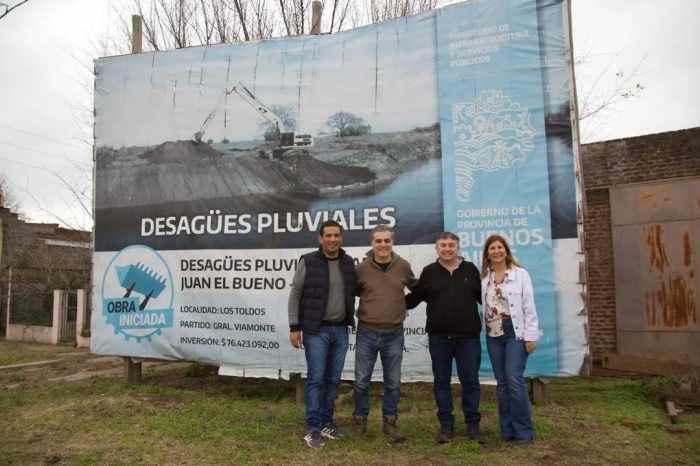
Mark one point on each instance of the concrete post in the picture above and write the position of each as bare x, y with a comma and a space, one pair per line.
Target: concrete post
57, 321
136, 34
317, 9
83, 309
9, 299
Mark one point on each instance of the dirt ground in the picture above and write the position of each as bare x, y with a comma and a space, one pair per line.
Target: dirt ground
31, 365
186, 414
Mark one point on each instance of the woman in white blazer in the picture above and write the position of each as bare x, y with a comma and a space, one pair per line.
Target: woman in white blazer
510, 320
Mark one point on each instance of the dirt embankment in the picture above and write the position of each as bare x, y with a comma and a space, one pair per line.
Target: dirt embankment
182, 171
309, 174
386, 160
185, 171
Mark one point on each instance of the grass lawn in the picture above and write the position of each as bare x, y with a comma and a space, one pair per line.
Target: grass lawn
194, 417
17, 353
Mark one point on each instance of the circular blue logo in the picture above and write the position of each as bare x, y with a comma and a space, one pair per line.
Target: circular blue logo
138, 293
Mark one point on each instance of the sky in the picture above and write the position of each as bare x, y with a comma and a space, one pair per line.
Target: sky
43, 148
315, 77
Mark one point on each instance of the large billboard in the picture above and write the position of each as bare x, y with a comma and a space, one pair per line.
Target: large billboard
216, 165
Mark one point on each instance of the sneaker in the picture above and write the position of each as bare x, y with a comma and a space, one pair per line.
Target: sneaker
390, 431
330, 430
313, 439
475, 434
359, 426
507, 439
446, 433
521, 442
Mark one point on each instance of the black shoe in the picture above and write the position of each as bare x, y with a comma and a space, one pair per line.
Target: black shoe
521, 442
507, 439
330, 430
446, 433
313, 439
475, 434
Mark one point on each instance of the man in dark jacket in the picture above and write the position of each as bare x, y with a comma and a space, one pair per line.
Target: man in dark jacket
322, 305
451, 287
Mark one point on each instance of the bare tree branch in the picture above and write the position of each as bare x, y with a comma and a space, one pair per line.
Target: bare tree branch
599, 103
8, 9
283, 12
339, 10
384, 10
242, 19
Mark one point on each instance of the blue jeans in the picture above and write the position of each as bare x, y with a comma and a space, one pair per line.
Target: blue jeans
390, 348
467, 354
325, 358
508, 358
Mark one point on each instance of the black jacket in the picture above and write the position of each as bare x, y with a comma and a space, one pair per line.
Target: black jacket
314, 298
451, 298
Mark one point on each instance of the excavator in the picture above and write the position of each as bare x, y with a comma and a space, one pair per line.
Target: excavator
285, 140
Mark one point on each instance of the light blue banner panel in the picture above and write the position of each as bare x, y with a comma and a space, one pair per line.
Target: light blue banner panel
494, 147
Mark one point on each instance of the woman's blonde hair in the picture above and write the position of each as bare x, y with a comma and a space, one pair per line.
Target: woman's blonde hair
485, 261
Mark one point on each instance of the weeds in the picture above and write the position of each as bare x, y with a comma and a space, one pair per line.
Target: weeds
195, 369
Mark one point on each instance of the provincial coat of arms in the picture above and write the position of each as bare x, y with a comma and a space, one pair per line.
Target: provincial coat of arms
494, 133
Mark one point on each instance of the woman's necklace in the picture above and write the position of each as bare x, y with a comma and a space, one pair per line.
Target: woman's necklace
499, 274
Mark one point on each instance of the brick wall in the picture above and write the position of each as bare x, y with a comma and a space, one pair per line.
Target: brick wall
656, 157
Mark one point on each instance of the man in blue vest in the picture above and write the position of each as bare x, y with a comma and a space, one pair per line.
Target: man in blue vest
321, 306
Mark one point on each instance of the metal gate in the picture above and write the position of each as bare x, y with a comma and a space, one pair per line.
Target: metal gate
88, 309
656, 239
69, 315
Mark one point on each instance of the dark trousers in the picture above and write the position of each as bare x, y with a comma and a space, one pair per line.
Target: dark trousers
466, 352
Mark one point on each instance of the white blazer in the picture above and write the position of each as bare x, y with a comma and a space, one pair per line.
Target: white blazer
521, 301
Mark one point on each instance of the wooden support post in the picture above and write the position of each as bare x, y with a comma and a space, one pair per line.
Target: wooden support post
300, 382
539, 391
132, 371
137, 373
128, 369
672, 411
317, 9
136, 34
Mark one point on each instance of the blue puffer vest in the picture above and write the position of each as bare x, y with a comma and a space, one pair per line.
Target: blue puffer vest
314, 297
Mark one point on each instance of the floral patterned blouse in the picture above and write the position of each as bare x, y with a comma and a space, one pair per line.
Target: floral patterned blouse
496, 304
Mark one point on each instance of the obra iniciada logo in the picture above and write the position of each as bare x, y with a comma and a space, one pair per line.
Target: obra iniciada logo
137, 293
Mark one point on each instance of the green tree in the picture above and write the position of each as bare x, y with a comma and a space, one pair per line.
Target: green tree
344, 124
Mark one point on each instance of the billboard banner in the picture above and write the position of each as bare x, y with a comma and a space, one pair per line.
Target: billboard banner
216, 165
